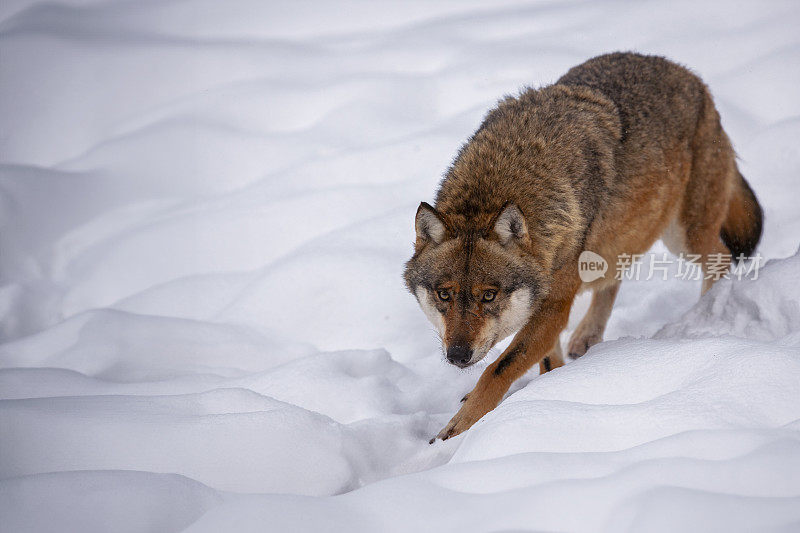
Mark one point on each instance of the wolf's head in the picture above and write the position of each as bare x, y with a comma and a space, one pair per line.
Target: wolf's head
477, 286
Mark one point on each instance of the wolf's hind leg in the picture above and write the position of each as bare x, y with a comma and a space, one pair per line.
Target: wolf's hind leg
590, 331
718, 203
553, 359
716, 261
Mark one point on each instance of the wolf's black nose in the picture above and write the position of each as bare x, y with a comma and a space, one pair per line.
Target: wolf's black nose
459, 355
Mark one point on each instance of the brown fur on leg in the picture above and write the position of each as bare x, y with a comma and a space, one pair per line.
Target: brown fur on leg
523, 352
590, 331
552, 360
717, 201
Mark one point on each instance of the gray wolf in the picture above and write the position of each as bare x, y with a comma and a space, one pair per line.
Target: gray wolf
622, 150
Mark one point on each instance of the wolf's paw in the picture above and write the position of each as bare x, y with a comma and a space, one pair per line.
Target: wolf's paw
470, 412
581, 341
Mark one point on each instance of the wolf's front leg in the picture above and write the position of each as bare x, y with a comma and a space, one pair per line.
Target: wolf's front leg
529, 346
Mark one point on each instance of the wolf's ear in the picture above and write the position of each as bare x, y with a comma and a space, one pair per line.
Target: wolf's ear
510, 225
428, 225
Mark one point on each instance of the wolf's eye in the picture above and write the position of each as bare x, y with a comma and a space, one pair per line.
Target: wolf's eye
488, 296
443, 294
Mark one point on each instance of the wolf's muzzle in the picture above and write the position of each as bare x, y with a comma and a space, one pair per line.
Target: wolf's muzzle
459, 355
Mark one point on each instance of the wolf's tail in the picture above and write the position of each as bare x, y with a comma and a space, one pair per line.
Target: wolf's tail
743, 224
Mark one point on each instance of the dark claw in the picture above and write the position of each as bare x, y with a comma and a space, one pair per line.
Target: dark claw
464, 399
432, 440
573, 355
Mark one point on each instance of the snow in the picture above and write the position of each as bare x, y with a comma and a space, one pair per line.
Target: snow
205, 208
